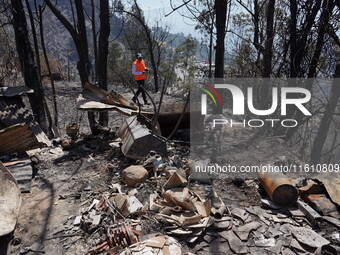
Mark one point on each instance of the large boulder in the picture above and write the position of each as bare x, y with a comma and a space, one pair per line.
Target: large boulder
133, 175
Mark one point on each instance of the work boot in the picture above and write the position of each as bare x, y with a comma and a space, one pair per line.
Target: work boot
147, 103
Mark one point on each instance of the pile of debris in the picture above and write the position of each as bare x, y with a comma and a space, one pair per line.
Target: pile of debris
198, 222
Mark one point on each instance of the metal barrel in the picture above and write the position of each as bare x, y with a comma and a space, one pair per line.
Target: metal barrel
278, 187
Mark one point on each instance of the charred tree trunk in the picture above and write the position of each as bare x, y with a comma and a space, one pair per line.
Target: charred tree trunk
37, 59
54, 94
84, 65
293, 38
210, 52
28, 68
327, 9
327, 117
103, 52
268, 51
256, 18
34, 35
300, 49
94, 37
267, 56
221, 18
79, 37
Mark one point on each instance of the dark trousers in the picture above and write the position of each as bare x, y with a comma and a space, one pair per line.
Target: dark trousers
140, 90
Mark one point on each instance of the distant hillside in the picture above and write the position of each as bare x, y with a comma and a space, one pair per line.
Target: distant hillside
59, 43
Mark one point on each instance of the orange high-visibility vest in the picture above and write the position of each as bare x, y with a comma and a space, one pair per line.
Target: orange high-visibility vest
140, 67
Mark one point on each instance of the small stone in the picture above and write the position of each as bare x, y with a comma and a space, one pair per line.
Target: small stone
96, 220
134, 175
77, 221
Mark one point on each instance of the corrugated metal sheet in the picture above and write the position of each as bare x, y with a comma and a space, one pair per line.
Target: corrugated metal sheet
13, 111
22, 172
18, 131
138, 140
22, 137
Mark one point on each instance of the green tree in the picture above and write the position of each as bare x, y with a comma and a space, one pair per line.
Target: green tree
185, 60
118, 64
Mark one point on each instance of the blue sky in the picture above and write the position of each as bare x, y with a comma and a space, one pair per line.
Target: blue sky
156, 9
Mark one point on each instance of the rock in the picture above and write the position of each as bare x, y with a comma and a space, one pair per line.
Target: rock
133, 175
77, 221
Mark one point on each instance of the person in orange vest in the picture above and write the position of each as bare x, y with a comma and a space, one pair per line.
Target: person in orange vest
138, 71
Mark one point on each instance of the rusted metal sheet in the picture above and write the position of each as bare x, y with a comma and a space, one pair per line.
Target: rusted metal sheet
103, 96
18, 131
138, 140
278, 187
10, 201
170, 114
122, 236
21, 138
331, 181
321, 203
96, 99
313, 188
